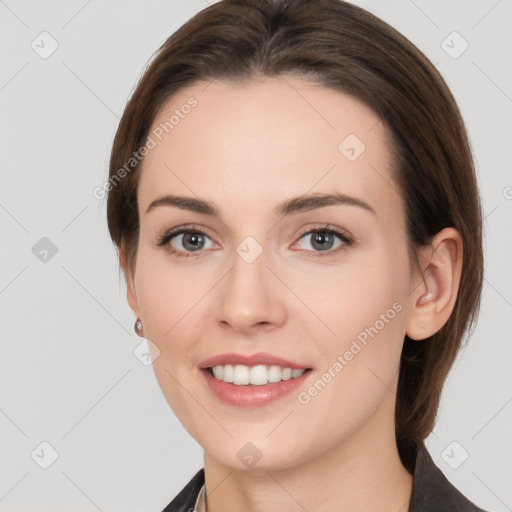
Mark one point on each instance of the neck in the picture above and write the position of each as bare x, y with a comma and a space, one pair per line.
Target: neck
338, 479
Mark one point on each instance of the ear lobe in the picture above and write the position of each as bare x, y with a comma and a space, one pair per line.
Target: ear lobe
434, 299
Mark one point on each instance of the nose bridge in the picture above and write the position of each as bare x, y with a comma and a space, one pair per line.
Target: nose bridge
249, 296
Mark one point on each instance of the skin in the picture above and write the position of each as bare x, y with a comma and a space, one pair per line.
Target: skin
247, 148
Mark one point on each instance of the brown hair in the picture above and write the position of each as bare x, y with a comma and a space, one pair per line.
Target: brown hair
345, 48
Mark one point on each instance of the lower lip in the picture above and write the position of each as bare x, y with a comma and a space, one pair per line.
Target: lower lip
251, 395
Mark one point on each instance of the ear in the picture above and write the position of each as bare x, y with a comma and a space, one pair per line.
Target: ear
434, 298
131, 294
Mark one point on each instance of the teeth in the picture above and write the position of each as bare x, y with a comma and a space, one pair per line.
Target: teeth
258, 375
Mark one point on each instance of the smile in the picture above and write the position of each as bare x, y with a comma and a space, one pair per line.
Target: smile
259, 375
273, 382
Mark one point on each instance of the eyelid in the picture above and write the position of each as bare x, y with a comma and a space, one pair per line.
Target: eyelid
341, 232
344, 235
171, 233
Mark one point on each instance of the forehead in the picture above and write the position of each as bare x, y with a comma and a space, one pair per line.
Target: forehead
257, 142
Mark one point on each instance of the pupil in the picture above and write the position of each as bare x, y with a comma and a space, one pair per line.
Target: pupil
191, 238
320, 240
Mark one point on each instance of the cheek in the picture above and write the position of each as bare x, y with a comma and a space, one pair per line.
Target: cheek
165, 298
169, 303
365, 309
361, 360
356, 297
175, 304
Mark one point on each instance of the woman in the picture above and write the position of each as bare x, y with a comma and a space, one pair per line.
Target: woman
294, 201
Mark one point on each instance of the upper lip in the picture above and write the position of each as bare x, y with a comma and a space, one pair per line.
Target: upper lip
250, 360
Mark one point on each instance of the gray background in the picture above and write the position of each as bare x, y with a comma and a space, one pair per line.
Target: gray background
69, 375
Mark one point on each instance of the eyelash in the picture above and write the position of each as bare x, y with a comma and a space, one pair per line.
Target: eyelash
323, 228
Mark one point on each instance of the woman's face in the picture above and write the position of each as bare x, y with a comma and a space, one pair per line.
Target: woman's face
261, 280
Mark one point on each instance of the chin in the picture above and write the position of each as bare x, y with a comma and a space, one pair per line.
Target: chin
254, 455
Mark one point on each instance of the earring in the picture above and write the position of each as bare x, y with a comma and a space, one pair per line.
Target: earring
137, 327
424, 299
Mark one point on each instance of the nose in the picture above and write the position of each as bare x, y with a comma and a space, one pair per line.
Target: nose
251, 298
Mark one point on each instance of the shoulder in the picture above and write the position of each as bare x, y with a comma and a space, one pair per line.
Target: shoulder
186, 499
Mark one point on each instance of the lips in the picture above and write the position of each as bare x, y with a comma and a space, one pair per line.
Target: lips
261, 358
253, 396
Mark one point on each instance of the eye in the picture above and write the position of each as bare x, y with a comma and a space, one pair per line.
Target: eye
185, 241
322, 239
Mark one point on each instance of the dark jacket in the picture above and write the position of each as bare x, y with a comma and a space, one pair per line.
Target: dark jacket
431, 492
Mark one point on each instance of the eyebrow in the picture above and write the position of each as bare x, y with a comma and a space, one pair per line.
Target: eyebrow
291, 206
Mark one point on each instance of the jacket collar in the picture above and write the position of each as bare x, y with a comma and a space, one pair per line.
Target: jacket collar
432, 491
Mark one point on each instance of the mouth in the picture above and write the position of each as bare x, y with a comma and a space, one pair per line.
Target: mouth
253, 386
